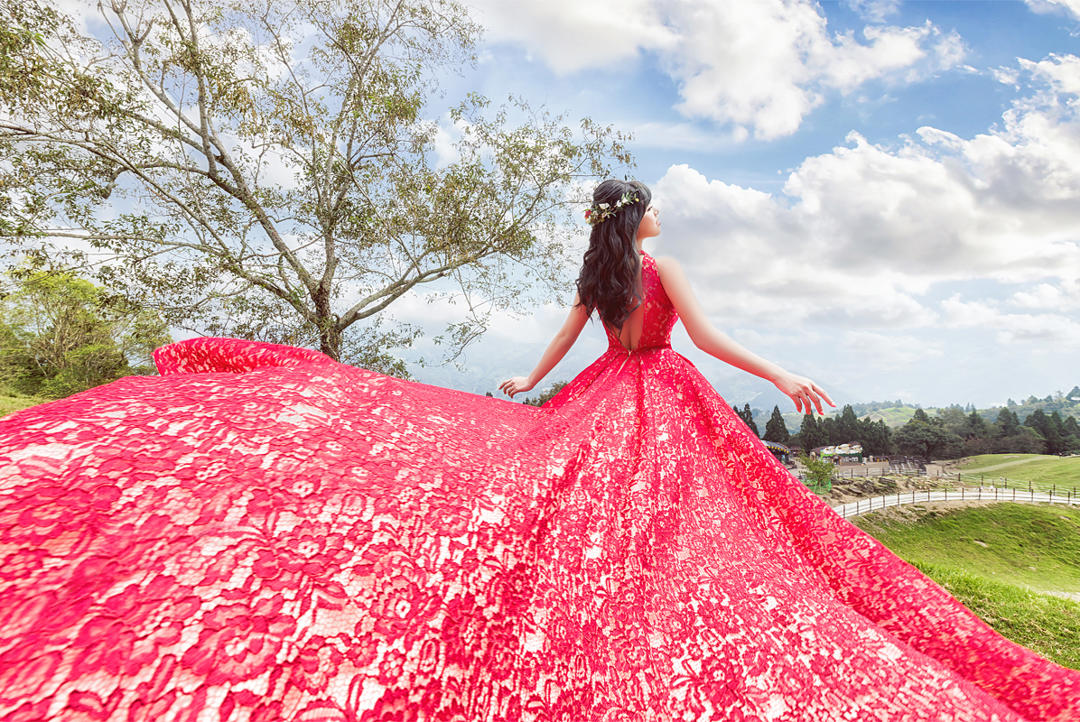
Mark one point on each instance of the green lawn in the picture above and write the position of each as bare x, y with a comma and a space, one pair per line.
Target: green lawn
1041, 470
10, 402
999, 561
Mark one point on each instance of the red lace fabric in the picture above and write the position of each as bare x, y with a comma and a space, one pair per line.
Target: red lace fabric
264, 534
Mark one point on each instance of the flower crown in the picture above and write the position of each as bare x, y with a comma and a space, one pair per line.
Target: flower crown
600, 212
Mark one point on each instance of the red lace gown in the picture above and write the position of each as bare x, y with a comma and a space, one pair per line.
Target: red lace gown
261, 533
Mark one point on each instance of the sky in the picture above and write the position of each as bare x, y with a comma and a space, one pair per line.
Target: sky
881, 195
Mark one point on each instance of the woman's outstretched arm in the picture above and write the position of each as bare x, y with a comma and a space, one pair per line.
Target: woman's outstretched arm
804, 392
558, 347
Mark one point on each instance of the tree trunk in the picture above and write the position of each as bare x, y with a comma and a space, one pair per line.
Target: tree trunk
330, 342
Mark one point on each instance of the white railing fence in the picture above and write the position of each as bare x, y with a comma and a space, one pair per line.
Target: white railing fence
981, 493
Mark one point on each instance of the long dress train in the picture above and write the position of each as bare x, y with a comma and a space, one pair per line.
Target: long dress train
261, 533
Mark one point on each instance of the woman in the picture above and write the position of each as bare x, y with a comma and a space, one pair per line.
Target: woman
615, 242
263, 533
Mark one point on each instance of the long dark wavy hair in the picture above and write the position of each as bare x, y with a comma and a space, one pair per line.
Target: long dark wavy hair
609, 281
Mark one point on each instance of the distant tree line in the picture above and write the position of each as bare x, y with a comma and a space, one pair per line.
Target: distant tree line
950, 434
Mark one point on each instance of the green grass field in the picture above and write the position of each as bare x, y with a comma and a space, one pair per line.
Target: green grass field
1000, 561
10, 402
1042, 471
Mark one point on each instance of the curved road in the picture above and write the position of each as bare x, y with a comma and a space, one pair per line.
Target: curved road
984, 493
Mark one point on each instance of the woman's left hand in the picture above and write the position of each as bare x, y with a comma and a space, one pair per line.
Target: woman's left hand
804, 392
515, 385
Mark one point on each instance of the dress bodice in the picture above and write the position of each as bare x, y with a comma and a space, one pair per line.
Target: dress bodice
658, 316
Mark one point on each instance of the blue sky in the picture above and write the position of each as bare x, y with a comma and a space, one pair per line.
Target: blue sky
880, 195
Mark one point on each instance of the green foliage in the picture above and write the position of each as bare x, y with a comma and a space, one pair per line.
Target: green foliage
813, 433
183, 117
60, 334
776, 429
922, 436
547, 395
747, 415
819, 472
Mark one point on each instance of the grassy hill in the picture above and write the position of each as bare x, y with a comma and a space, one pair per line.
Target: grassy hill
10, 401
1017, 566
1042, 470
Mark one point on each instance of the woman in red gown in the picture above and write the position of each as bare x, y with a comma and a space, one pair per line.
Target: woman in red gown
262, 533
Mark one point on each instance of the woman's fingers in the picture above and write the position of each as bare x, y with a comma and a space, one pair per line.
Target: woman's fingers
823, 394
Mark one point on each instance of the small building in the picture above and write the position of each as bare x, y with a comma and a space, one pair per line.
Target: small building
781, 452
840, 452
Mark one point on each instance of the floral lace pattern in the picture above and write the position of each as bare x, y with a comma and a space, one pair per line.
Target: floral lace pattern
262, 533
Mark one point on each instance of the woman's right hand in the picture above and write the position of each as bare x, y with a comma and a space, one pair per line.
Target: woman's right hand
804, 392
515, 385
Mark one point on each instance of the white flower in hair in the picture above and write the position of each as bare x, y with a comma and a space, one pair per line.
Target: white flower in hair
599, 213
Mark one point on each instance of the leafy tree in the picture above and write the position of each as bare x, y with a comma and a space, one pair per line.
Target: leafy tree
60, 334
818, 472
1071, 435
1007, 423
776, 429
1056, 440
953, 419
1041, 423
922, 436
974, 427
875, 437
276, 172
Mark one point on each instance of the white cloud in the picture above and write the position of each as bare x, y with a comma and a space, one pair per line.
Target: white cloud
874, 11
889, 351
759, 67
1061, 72
1068, 7
777, 61
570, 35
860, 234
1063, 296
1046, 332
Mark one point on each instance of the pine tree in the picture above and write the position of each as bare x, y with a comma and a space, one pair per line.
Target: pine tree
748, 417
776, 430
1008, 423
848, 426
811, 433
976, 426
1056, 438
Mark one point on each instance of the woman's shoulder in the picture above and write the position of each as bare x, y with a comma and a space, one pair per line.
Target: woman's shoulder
672, 277
667, 265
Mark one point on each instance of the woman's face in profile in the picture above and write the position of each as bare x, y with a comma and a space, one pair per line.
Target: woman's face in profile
650, 223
